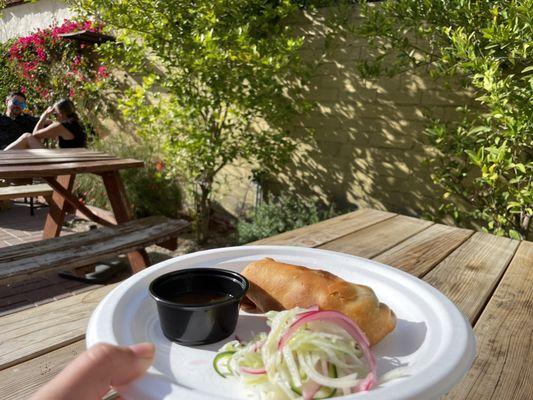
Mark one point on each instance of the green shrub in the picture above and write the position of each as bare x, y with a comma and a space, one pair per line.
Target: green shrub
485, 161
281, 214
150, 190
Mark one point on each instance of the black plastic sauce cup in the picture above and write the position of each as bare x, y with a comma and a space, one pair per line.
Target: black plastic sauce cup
198, 305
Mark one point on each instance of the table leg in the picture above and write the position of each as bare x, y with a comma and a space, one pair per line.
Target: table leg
76, 203
56, 211
121, 208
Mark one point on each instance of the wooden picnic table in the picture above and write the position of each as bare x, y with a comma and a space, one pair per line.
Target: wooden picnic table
489, 278
59, 167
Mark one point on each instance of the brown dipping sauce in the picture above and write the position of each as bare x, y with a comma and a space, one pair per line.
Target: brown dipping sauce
190, 298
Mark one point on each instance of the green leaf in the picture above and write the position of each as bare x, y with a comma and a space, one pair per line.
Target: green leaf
515, 234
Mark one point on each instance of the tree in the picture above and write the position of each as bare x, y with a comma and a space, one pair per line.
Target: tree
206, 72
486, 159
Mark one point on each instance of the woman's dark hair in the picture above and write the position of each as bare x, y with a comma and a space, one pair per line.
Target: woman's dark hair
66, 107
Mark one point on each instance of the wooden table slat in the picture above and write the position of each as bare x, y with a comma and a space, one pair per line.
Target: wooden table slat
83, 254
469, 275
328, 230
375, 239
46, 153
36, 372
26, 171
55, 160
17, 192
468, 267
35, 331
503, 368
7, 254
421, 252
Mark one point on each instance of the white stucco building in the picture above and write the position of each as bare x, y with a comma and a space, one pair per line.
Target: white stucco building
21, 18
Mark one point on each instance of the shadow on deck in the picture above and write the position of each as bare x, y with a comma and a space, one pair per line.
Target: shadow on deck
18, 226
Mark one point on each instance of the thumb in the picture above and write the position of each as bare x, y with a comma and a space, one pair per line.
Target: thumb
90, 375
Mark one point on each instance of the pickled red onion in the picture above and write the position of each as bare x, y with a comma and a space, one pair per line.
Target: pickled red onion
253, 371
351, 328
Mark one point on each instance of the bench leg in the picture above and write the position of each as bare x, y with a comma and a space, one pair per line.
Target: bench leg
121, 208
56, 212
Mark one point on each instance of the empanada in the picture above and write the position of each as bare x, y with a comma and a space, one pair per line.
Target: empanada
277, 286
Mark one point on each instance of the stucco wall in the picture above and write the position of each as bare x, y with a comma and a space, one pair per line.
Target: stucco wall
370, 148
25, 18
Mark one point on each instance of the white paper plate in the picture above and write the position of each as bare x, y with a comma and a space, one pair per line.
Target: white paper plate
432, 339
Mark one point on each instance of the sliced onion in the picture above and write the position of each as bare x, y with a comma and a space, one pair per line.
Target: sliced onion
365, 384
257, 346
349, 326
309, 389
347, 381
253, 371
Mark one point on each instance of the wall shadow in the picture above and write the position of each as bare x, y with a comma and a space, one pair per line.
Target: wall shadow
370, 148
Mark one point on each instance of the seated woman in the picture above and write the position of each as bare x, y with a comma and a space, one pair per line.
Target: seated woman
67, 129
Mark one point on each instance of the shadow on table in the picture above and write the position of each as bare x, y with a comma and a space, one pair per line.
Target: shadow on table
405, 340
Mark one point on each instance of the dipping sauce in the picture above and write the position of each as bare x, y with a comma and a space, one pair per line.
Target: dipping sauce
203, 297
198, 306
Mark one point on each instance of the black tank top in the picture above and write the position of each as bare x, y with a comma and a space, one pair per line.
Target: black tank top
80, 138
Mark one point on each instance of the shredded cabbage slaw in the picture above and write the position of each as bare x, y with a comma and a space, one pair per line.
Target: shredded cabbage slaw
308, 353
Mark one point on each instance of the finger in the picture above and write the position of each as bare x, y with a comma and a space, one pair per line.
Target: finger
90, 376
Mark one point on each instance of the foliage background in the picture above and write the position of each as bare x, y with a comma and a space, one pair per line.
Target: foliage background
47, 67
280, 214
150, 190
206, 71
485, 159
472, 164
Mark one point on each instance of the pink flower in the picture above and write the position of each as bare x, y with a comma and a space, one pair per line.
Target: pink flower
41, 54
102, 72
35, 54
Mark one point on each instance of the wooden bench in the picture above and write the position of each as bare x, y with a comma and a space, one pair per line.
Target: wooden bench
23, 191
86, 248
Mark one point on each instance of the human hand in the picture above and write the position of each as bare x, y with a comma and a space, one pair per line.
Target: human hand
93, 372
48, 111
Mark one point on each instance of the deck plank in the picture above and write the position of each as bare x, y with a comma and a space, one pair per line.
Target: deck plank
469, 275
503, 369
71, 251
375, 239
481, 258
51, 353
328, 230
36, 371
54, 324
420, 253
8, 254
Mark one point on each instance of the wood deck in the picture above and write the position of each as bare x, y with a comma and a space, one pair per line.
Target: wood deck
17, 227
487, 277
